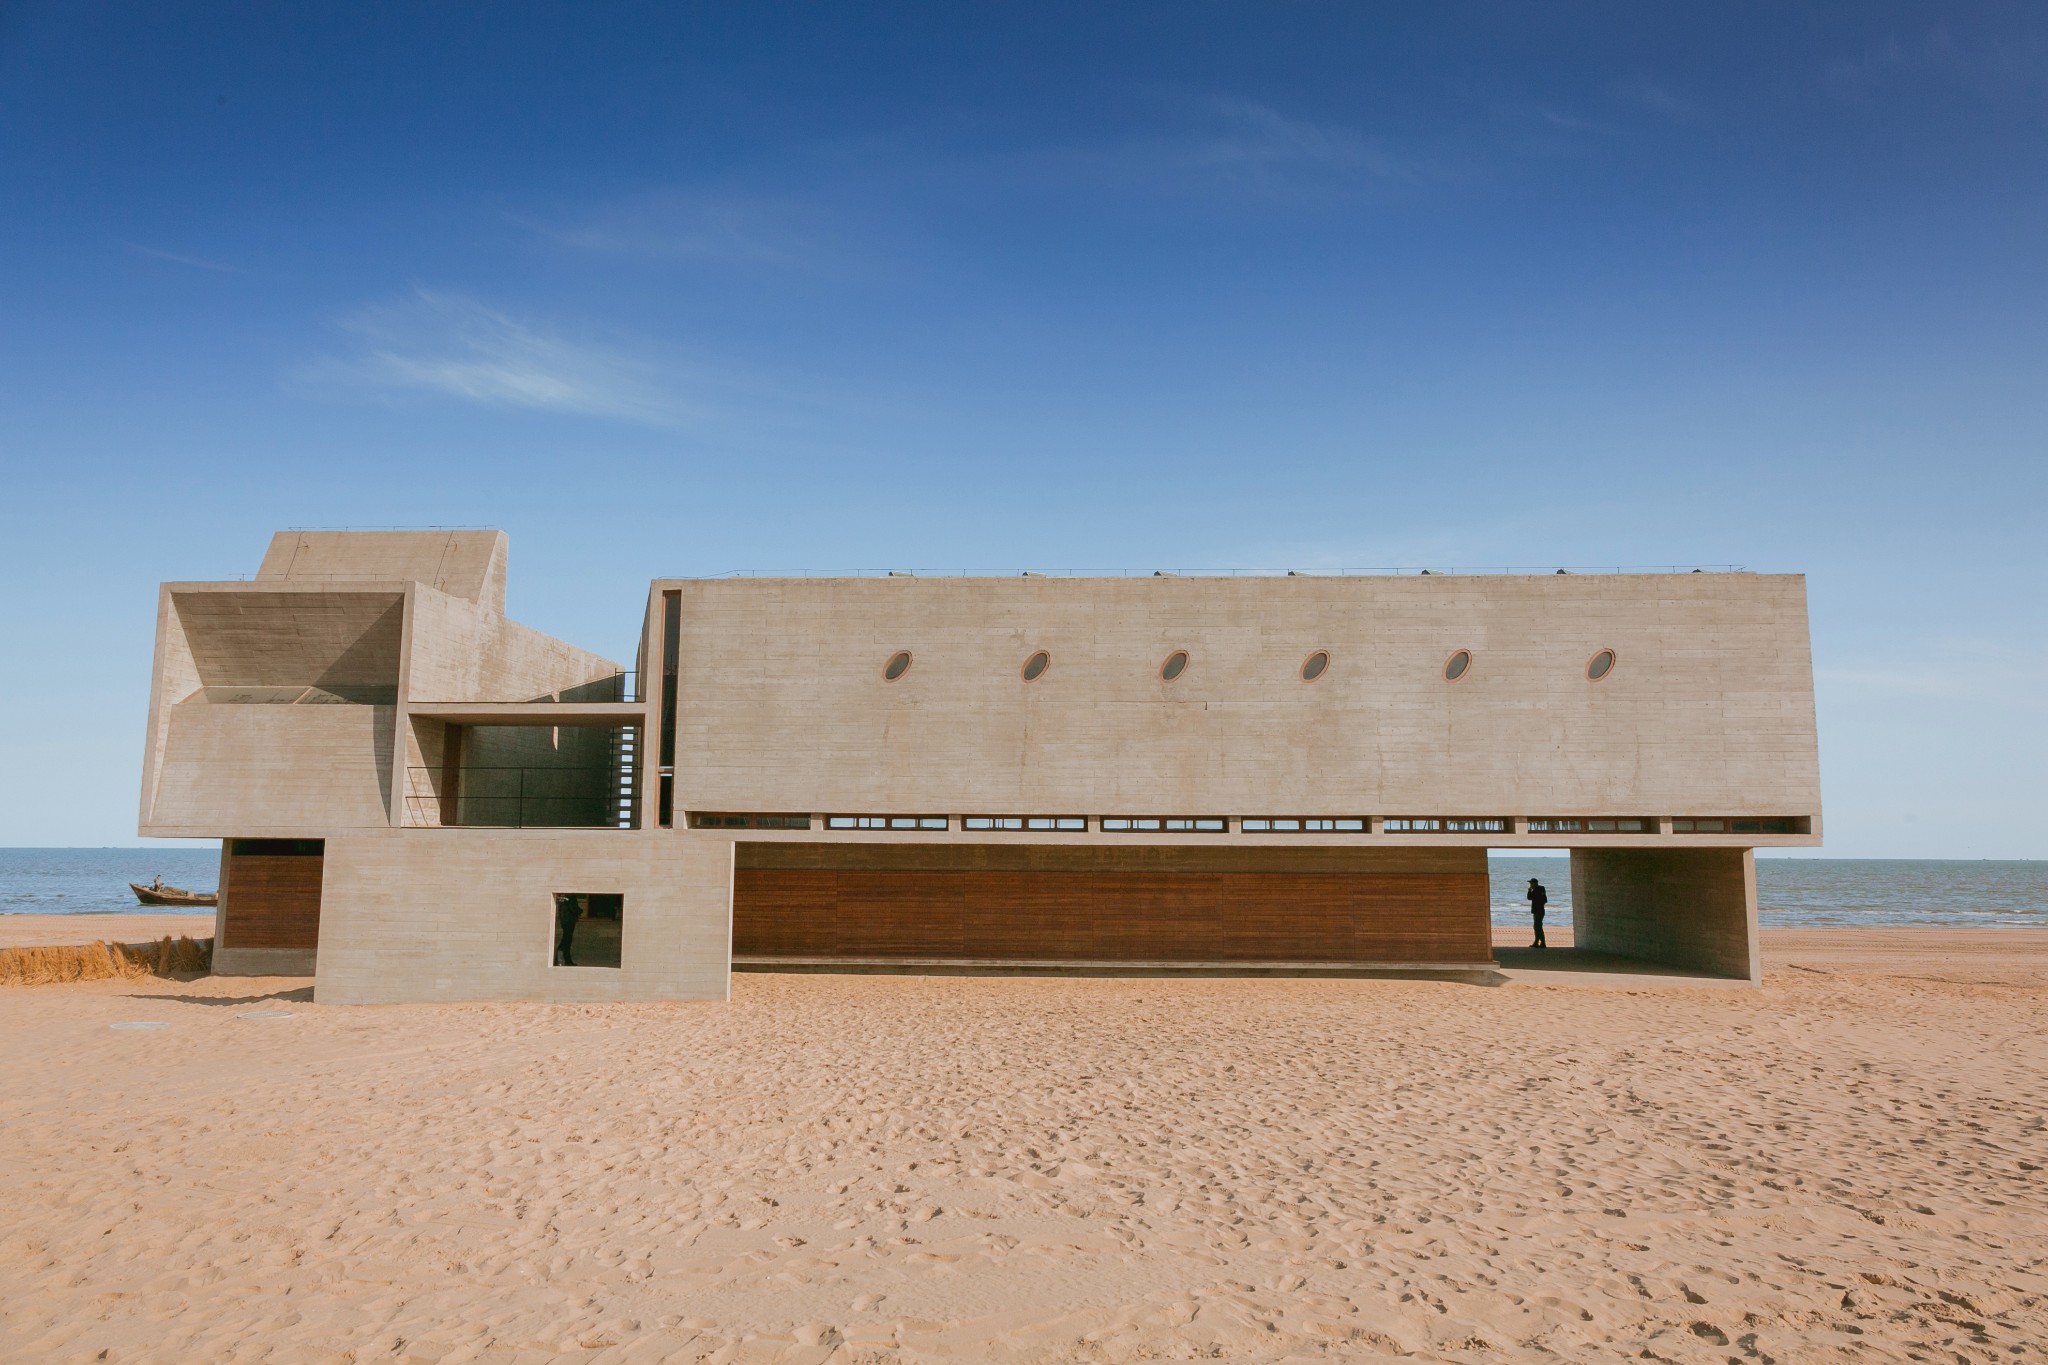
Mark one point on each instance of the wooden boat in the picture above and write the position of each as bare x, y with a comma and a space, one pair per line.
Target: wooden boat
172, 895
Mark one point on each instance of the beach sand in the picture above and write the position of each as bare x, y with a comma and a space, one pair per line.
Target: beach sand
50, 931
1843, 1165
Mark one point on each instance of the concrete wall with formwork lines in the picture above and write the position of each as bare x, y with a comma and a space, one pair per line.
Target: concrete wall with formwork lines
466, 564
1709, 707
227, 756
468, 914
1661, 773
1678, 907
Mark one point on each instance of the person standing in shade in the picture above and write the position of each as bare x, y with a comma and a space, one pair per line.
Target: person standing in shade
1538, 898
568, 910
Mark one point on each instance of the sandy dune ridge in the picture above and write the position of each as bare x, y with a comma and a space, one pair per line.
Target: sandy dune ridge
1845, 1165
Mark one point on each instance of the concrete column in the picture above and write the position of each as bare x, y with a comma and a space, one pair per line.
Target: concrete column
1677, 907
220, 901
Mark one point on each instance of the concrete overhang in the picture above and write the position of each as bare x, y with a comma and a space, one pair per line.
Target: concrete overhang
572, 713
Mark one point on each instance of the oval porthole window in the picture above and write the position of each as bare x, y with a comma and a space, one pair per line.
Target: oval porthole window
1035, 666
1600, 665
1314, 665
898, 665
1456, 666
1175, 665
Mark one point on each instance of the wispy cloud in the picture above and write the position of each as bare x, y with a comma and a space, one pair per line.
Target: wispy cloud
177, 258
1235, 145
1659, 97
865, 208
1251, 134
1934, 55
1570, 123
440, 343
678, 225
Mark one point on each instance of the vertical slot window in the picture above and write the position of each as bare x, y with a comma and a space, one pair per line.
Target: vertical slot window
671, 679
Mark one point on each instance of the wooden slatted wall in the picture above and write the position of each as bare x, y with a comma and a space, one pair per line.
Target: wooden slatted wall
972, 903
272, 893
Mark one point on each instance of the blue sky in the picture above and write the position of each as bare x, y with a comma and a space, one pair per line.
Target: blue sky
677, 290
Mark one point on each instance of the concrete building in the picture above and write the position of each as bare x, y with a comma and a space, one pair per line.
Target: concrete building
421, 800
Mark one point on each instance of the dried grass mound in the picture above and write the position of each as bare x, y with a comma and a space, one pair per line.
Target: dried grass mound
101, 961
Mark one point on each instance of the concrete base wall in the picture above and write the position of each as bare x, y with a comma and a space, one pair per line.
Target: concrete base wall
1688, 908
262, 961
468, 914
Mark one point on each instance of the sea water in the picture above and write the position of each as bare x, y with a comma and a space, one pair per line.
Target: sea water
1790, 891
94, 881
1811, 892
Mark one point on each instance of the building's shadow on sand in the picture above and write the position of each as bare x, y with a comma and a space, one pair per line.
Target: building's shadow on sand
1560, 966
303, 995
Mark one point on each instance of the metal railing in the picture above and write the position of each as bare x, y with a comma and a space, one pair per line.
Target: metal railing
618, 687
519, 798
615, 687
1381, 571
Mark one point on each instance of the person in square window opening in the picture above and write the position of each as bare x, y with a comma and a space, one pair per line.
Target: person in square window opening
1538, 898
568, 910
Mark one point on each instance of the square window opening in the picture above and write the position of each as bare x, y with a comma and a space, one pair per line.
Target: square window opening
588, 927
